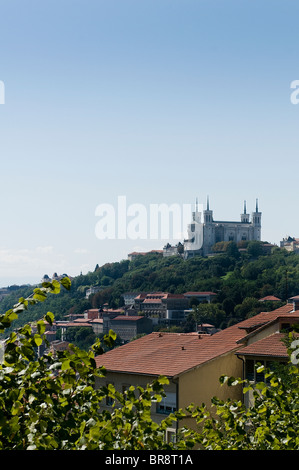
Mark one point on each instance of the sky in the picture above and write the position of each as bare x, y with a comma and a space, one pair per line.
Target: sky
143, 102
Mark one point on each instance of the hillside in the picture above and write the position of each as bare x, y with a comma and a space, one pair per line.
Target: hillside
238, 279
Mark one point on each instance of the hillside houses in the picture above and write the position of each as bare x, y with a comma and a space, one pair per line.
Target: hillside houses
141, 313
194, 362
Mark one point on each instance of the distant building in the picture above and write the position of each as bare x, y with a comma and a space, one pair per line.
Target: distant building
162, 307
290, 244
92, 314
127, 326
129, 298
92, 290
202, 235
170, 250
270, 298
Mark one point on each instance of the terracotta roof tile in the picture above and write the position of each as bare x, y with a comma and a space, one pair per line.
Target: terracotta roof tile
172, 354
128, 317
269, 297
270, 346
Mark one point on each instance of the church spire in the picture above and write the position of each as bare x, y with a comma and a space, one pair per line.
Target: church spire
244, 207
256, 206
208, 204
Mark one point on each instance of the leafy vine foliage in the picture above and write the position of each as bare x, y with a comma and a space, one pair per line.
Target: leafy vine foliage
50, 401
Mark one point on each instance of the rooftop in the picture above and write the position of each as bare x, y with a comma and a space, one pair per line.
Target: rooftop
270, 298
172, 354
128, 318
272, 346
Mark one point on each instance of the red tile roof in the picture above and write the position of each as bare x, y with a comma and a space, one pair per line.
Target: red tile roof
172, 354
128, 317
271, 346
269, 297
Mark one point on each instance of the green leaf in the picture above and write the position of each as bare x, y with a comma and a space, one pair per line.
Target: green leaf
163, 380
112, 335
49, 317
55, 287
38, 340
41, 327
65, 281
39, 295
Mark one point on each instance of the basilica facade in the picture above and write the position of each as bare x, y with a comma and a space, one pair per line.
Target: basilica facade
204, 231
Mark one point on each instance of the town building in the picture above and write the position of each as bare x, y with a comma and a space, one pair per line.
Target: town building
127, 326
92, 290
162, 307
290, 244
193, 363
129, 298
270, 298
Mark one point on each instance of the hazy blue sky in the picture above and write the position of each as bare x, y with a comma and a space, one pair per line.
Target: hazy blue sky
161, 101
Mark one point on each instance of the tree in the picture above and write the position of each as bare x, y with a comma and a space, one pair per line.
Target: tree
255, 249
50, 402
208, 313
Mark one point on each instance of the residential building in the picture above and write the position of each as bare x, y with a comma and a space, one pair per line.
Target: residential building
129, 326
92, 290
290, 244
129, 298
92, 314
162, 307
170, 250
194, 362
270, 298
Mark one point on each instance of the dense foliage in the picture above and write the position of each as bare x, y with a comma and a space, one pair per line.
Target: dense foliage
50, 401
239, 279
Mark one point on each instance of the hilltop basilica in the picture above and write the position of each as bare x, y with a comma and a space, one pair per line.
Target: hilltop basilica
203, 234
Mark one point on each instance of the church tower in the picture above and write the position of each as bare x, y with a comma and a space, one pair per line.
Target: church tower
196, 215
208, 229
257, 223
207, 214
245, 216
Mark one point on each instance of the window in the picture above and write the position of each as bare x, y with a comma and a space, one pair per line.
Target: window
170, 436
251, 367
167, 405
249, 374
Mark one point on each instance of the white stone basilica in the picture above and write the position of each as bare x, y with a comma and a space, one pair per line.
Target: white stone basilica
203, 234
